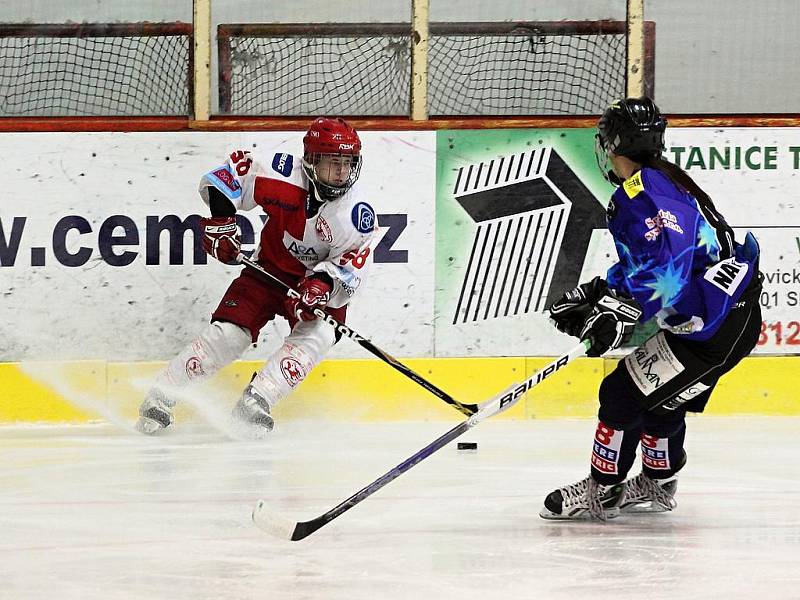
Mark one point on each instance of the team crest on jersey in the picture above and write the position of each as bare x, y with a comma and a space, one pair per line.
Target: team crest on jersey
363, 217
282, 163
323, 230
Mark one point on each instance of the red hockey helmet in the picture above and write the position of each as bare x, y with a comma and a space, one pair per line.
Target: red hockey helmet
331, 156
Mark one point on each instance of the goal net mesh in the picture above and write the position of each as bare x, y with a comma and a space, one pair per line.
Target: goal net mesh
131, 69
503, 69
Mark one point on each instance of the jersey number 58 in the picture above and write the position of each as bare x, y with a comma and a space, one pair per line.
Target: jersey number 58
358, 259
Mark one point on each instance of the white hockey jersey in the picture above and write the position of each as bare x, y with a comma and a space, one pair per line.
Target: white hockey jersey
300, 235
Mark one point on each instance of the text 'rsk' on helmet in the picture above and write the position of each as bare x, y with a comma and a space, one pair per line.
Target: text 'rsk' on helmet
331, 156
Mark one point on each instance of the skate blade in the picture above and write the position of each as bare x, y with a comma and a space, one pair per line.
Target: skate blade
648, 507
610, 513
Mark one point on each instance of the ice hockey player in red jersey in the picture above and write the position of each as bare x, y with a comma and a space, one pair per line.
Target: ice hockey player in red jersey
316, 238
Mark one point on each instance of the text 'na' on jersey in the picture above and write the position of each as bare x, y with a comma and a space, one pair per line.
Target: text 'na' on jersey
301, 235
677, 259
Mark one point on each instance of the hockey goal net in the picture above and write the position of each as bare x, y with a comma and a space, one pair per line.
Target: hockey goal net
95, 69
487, 69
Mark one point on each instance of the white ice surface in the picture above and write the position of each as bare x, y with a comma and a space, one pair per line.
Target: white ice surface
97, 513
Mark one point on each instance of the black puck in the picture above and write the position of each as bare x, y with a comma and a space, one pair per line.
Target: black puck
467, 445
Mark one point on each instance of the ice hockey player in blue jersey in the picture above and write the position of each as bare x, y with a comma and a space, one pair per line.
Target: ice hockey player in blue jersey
679, 263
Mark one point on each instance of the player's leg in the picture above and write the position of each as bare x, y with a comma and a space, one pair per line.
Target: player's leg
663, 456
613, 451
217, 345
244, 309
303, 349
699, 365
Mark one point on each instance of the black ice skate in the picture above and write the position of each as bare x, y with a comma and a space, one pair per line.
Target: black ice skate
155, 413
251, 414
586, 499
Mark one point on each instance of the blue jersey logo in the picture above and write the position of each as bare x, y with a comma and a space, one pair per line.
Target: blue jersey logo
363, 217
282, 163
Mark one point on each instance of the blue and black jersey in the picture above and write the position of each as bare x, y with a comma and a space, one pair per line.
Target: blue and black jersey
679, 260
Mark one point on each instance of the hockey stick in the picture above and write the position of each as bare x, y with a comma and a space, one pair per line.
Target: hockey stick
466, 409
282, 527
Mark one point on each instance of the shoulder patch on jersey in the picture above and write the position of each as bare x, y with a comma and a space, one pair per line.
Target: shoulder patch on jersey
363, 217
282, 163
633, 185
225, 182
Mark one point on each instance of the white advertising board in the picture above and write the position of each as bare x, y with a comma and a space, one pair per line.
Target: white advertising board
99, 261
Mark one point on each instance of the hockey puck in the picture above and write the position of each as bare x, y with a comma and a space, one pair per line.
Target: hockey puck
467, 445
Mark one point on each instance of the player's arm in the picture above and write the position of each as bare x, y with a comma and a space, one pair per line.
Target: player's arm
225, 190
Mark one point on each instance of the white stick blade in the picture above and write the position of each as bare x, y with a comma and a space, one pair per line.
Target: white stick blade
271, 522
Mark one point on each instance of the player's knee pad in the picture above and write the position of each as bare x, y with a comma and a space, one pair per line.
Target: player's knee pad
218, 345
303, 349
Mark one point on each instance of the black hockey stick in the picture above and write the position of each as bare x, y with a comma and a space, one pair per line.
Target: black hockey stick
282, 527
466, 409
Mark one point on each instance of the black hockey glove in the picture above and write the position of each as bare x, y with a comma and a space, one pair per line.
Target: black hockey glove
570, 312
611, 323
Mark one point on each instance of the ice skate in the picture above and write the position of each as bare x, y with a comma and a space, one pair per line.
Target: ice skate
155, 413
585, 499
643, 494
251, 415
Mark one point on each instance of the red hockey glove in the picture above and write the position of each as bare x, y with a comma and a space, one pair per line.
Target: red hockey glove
221, 238
315, 291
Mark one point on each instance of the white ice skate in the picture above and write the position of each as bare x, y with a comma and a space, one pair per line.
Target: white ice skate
155, 413
585, 499
643, 494
251, 415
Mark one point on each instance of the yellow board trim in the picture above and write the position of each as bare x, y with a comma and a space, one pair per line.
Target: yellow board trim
369, 390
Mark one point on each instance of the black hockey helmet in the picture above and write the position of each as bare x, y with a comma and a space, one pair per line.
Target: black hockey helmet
633, 127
